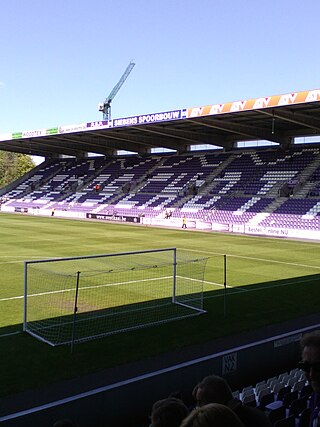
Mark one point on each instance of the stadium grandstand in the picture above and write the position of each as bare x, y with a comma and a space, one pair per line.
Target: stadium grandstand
271, 190
249, 167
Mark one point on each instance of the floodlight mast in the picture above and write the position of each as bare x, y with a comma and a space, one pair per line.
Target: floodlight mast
105, 107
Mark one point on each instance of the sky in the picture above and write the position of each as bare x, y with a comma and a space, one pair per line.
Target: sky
60, 58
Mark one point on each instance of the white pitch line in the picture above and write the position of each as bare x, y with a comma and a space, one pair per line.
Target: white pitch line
17, 261
234, 290
257, 259
10, 334
83, 288
237, 289
258, 288
205, 281
11, 298
278, 262
11, 262
22, 256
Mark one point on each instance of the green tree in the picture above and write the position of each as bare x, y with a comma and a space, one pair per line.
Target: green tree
13, 165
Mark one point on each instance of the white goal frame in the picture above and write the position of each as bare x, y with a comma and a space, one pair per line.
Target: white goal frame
190, 301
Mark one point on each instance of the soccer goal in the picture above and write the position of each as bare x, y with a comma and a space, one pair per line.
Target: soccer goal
70, 300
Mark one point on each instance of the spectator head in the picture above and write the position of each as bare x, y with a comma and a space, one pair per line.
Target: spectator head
65, 423
310, 364
212, 389
212, 415
168, 412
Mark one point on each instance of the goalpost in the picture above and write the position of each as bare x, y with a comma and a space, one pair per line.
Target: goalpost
75, 299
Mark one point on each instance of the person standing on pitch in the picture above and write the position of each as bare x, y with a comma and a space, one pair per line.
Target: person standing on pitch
184, 222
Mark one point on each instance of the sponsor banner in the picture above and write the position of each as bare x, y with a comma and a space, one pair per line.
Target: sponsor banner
119, 218
204, 225
5, 208
72, 128
34, 133
17, 135
238, 228
213, 109
221, 227
64, 214
255, 103
271, 231
172, 222
282, 232
149, 118
138, 120
30, 134
98, 124
52, 131
191, 223
5, 136
19, 209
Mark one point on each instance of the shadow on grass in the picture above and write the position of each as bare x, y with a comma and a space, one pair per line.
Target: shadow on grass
28, 363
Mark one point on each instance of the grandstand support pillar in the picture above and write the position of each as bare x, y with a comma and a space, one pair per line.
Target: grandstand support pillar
144, 151
286, 142
229, 146
82, 155
109, 152
184, 148
54, 156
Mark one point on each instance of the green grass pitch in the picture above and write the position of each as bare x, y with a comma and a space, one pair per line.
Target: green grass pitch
268, 281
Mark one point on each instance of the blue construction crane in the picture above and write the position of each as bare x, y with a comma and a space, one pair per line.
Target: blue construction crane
105, 107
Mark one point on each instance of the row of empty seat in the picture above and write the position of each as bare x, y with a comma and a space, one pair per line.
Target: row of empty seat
284, 398
217, 186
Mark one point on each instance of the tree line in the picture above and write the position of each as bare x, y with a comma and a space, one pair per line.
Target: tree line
13, 165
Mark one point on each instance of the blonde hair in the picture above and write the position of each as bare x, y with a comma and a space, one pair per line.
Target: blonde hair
212, 415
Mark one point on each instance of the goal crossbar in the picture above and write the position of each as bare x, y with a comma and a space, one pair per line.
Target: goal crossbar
75, 299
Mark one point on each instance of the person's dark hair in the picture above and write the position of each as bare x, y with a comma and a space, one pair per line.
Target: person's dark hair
214, 389
168, 412
213, 414
65, 423
176, 394
311, 339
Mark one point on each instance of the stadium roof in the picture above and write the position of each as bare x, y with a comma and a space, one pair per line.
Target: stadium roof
276, 118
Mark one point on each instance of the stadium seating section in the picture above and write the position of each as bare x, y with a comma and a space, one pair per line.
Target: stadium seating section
266, 187
284, 398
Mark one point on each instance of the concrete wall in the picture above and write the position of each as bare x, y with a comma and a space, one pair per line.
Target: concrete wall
128, 403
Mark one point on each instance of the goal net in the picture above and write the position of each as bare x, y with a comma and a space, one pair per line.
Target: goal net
70, 300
